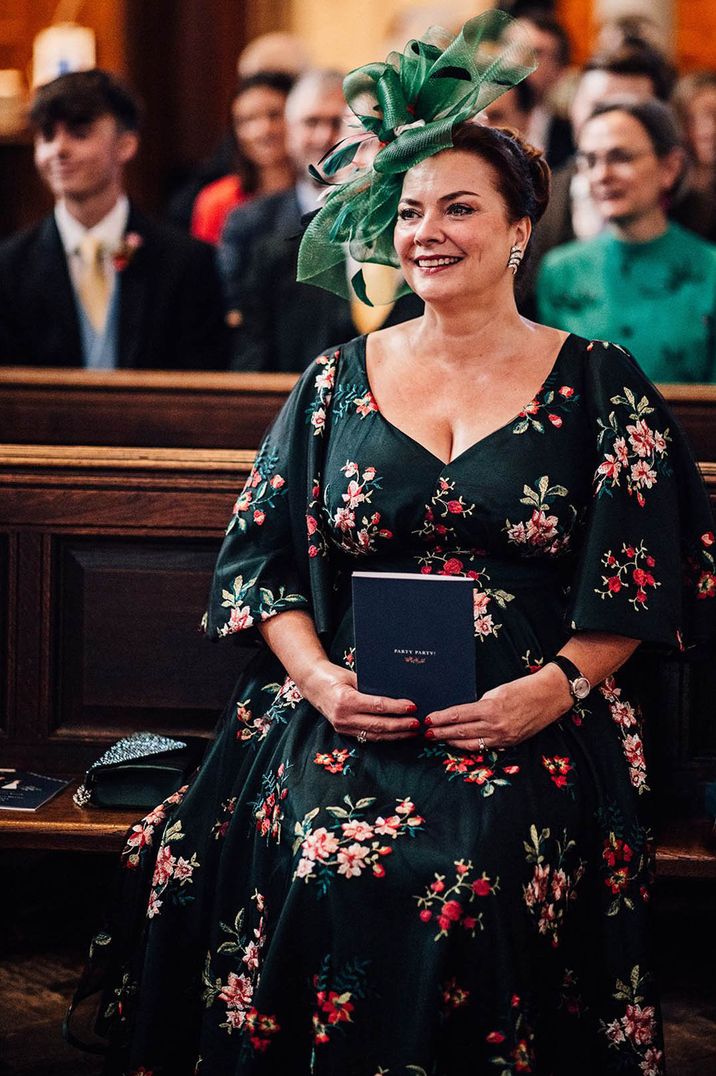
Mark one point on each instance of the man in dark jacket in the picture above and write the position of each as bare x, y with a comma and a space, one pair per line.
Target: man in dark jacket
96, 283
280, 324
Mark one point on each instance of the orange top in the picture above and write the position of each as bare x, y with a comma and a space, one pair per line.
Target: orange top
212, 206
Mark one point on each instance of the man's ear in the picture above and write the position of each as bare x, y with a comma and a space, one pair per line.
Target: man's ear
127, 146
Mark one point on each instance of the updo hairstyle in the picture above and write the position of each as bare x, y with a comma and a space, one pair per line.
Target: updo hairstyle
522, 175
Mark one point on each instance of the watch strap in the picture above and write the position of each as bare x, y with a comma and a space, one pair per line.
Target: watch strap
568, 667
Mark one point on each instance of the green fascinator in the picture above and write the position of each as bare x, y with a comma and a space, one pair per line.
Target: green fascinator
407, 108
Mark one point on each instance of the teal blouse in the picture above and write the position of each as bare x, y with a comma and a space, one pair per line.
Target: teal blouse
658, 299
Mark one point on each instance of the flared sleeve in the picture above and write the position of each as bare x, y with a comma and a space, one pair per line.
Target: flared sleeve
274, 556
646, 566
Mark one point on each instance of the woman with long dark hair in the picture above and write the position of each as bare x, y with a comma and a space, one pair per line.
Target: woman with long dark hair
262, 165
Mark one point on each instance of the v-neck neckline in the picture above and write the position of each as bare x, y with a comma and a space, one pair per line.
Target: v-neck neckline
362, 354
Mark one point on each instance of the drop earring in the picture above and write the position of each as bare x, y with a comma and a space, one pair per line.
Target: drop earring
515, 258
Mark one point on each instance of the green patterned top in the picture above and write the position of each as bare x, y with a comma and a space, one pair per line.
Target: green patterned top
657, 298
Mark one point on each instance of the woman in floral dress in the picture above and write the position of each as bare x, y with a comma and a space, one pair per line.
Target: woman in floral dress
343, 890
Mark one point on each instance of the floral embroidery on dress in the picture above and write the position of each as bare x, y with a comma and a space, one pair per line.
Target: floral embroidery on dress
449, 906
633, 572
453, 995
521, 1057
267, 807
702, 568
336, 761
243, 615
541, 533
480, 768
336, 995
237, 993
261, 490
634, 1035
628, 720
559, 768
626, 865
142, 834
350, 845
548, 894
550, 402
359, 536
635, 452
454, 564
442, 506
172, 874
221, 825
323, 384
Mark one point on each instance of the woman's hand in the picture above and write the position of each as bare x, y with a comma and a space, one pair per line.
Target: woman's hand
505, 715
332, 690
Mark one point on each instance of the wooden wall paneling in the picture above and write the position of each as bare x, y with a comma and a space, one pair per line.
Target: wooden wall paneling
130, 652
7, 550
115, 553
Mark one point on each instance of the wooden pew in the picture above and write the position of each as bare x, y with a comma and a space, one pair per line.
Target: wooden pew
168, 409
106, 555
202, 410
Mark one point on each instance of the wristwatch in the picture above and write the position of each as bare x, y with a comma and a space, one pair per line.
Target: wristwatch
579, 686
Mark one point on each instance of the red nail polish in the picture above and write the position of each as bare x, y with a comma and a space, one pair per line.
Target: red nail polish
430, 735
427, 721
415, 724
411, 708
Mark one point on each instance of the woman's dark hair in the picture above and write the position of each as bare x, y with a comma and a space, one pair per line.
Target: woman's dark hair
279, 81
522, 174
658, 120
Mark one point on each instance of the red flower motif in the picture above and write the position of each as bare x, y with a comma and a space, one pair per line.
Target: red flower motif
566, 391
452, 567
259, 516
311, 524
481, 887
642, 578
426, 915
555, 420
614, 584
455, 507
452, 910
495, 1037
708, 538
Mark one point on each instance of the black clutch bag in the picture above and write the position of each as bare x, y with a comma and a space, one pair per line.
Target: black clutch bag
139, 770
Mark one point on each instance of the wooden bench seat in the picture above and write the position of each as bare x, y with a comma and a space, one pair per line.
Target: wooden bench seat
686, 849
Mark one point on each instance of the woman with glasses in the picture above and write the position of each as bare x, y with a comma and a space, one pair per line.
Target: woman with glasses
643, 282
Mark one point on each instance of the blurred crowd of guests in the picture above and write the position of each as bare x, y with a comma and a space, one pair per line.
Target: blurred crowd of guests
624, 252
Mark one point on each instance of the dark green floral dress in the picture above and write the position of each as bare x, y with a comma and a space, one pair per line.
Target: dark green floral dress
312, 905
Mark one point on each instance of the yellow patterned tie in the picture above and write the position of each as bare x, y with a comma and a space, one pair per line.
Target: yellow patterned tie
381, 282
93, 286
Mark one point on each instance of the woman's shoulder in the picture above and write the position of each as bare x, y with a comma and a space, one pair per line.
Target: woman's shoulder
577, 254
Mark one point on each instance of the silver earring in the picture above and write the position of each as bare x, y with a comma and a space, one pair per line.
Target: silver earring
515, 258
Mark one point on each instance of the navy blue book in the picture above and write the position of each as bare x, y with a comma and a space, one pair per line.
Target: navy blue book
415, 638
21, 790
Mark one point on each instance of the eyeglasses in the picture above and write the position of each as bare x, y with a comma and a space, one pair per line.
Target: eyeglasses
613, 158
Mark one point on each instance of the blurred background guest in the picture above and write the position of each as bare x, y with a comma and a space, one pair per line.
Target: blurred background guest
637, 71
546, 128
96, 283
695, 102
275, 53
278, 323
644, 282
512, 109
261, 161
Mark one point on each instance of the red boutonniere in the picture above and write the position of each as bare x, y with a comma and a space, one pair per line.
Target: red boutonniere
126, 251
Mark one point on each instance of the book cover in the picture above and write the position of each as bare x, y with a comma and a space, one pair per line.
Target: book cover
22, 790
415, 638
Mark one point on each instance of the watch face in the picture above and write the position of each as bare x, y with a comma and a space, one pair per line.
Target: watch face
581, 687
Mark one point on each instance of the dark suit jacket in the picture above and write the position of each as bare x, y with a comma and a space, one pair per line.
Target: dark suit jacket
171, 310
284, 324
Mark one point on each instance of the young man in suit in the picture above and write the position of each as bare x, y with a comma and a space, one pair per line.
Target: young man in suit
96, 283
280, 324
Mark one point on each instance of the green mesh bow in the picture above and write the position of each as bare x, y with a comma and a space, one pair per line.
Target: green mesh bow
409, 106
